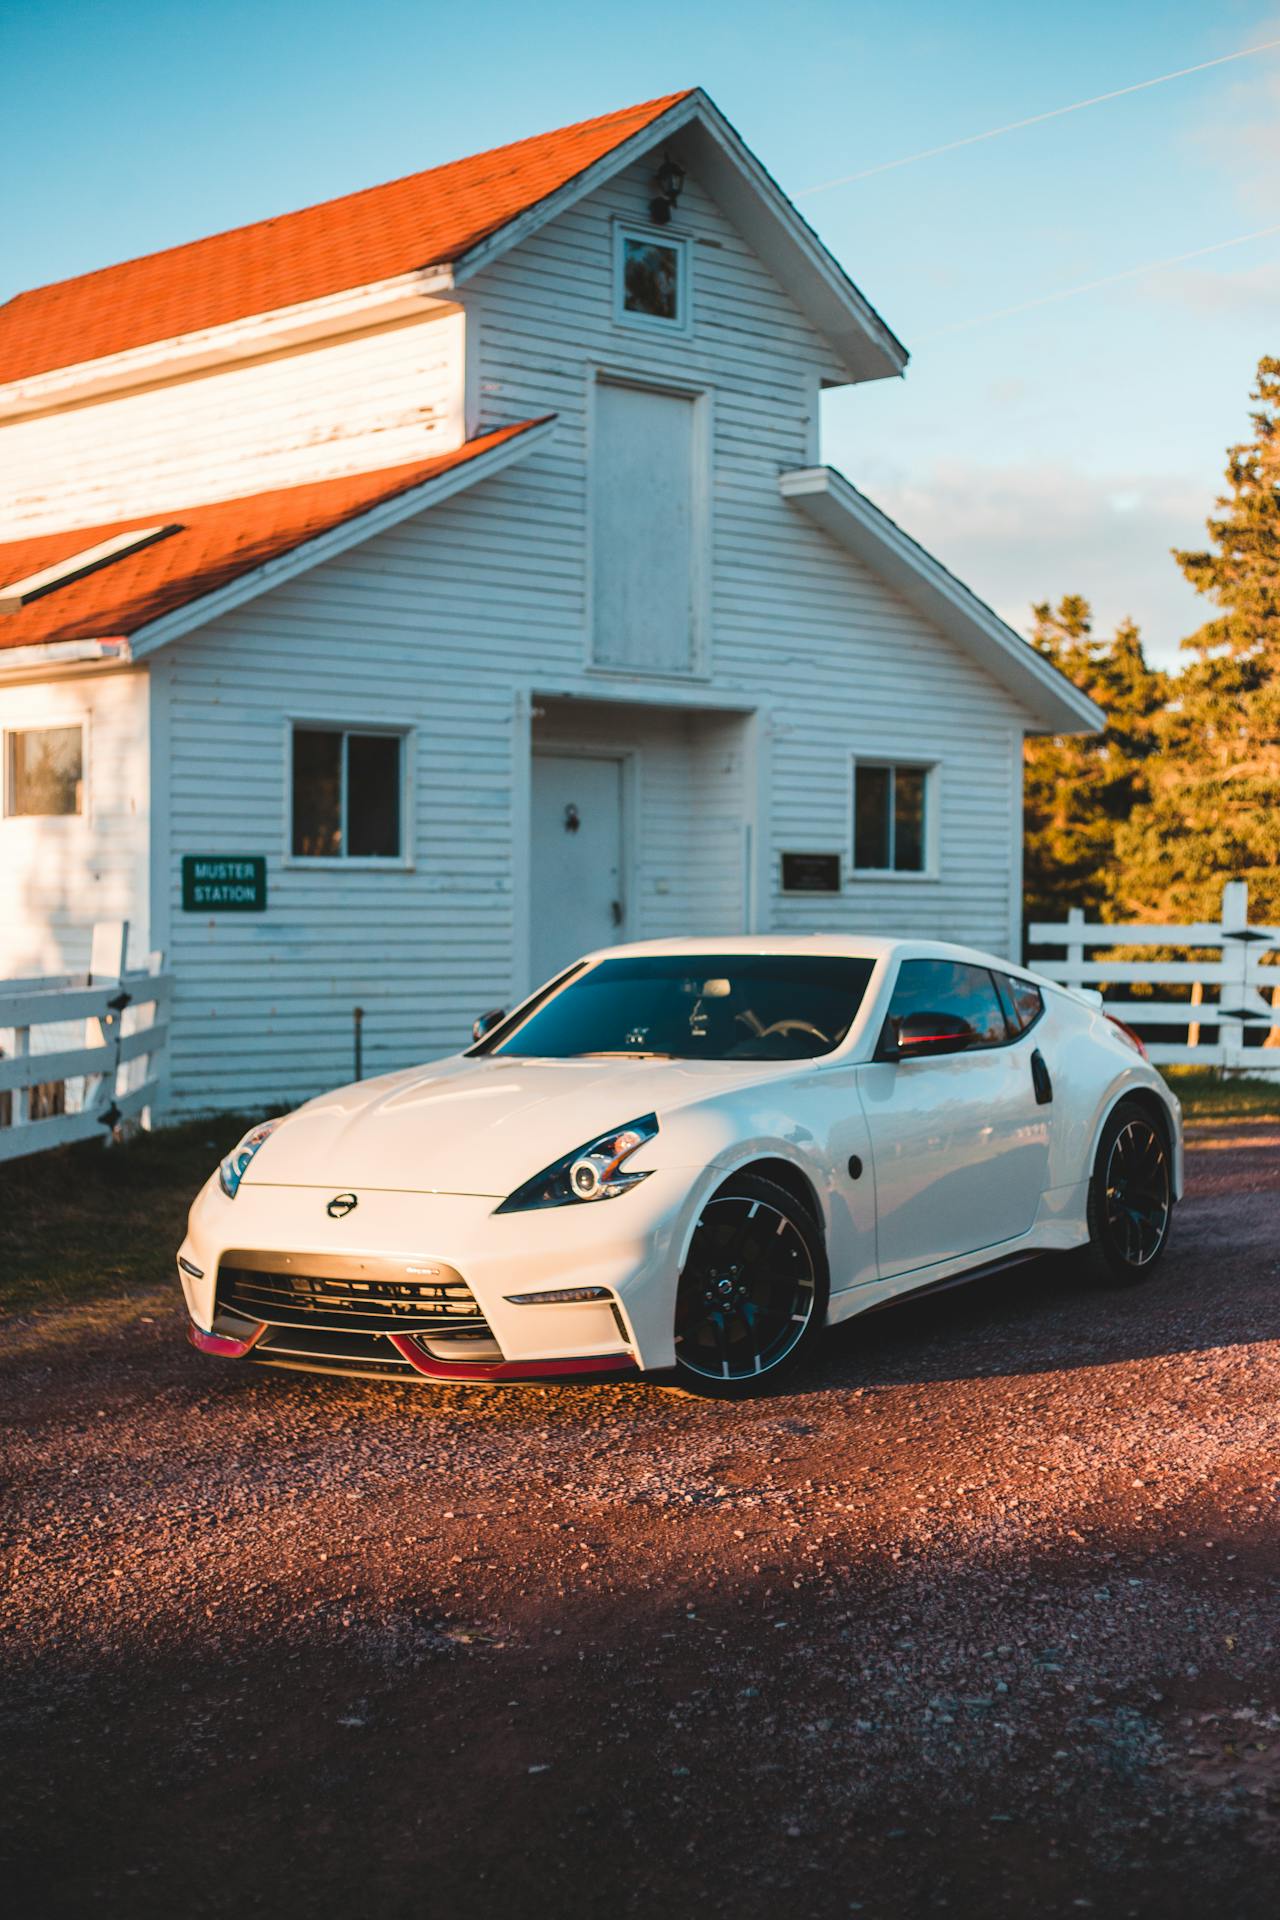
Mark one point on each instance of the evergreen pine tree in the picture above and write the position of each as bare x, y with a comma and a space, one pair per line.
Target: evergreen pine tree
1213, 812
1078, 792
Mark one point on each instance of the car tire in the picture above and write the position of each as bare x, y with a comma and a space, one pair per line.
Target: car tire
1130, 1207
751, 1301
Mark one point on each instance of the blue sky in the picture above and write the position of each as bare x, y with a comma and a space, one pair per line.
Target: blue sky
1061, 449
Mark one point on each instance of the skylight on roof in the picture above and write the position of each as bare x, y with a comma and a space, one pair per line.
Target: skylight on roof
19, 593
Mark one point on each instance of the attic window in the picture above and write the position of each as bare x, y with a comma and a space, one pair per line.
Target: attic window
19, 593
651, 279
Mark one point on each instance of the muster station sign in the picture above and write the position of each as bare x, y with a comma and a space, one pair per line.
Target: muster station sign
224, 882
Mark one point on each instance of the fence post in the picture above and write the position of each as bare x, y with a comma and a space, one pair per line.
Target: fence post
107, 958
21, 1095
1075, 945
1235, 918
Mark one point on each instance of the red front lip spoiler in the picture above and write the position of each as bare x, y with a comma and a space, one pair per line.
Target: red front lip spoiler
223, 1343
422, 1362
417, 1356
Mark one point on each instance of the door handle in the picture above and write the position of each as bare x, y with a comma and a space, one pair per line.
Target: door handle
615, 908
1040, 1079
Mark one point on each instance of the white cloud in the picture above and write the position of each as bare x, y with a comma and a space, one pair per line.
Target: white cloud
1250, 293
1018, 534
1240, 133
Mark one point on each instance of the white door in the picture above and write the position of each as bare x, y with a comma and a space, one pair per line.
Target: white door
961, 1147
576, 879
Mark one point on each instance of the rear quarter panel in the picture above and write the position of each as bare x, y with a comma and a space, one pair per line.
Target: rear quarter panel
1094, 1066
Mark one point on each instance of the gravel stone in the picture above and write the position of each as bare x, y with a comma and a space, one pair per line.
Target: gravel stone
982, 1613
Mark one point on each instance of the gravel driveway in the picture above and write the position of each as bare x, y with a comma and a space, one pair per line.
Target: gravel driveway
981, 1618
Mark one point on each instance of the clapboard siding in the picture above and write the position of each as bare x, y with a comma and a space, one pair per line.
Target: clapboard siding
263, 1007
371, 400
469, 625
60, 875
836, 659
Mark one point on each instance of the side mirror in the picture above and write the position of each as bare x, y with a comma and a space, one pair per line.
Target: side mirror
487, 1022
919, 1034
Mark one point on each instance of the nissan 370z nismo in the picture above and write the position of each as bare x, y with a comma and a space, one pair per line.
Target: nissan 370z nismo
689, 1156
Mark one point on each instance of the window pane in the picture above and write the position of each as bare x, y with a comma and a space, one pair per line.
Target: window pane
373, 795
944, 986
650, 278
871, 824
908, 819
317, 793
46, 771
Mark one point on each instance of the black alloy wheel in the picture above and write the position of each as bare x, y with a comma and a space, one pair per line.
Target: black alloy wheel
753, 1294
1130, 1197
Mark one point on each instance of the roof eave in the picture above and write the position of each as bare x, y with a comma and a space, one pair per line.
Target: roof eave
47, 658
42, 658
1052, 703
751, 198
178, 356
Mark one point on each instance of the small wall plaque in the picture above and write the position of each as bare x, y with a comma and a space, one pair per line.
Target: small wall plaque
224, 882
811, 873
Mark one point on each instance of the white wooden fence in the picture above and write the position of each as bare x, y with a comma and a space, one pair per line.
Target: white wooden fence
52, 1091
1231, 991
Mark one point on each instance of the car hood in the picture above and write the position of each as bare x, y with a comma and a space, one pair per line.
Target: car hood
483, 1126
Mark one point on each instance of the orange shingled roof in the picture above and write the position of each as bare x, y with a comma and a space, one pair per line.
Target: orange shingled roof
215, 544
423, 220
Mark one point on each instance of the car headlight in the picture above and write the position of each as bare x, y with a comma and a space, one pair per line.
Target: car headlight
591, 1172
232, 1170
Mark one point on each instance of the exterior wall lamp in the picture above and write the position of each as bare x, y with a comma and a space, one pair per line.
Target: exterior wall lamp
669, 180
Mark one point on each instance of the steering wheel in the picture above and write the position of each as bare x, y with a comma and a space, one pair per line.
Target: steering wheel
795, 1026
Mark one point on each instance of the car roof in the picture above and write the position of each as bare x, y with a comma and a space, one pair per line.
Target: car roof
853, 946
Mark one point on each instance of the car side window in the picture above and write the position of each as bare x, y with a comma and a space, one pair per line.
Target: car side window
949, 987
1023, 1003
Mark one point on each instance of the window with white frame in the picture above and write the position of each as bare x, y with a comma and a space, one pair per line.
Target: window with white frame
44, 770
651, 279
348, 793
892, 804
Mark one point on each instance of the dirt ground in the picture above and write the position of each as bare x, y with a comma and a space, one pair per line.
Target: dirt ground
981, 1617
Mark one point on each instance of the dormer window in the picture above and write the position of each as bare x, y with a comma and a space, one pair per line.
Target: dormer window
651, 279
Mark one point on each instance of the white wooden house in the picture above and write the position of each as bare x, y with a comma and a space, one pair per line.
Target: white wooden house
403, 595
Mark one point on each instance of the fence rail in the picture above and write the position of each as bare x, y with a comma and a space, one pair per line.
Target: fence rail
53, 1092
1233, 993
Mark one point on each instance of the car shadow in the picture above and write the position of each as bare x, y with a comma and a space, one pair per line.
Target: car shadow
1049, 1316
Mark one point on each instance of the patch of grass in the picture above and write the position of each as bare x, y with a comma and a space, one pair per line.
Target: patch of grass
1207, 1094
91, 1221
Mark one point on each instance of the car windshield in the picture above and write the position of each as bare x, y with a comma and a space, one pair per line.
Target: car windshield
689, 1006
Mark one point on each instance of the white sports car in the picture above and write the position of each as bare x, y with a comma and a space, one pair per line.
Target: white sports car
689, 1155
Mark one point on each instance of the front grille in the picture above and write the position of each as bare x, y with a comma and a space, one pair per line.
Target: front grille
317, 1350
350, 1300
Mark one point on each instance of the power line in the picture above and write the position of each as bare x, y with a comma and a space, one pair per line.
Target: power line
1108, 280
1034, 120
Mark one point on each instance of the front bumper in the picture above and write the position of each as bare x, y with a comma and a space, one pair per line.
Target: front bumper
631, 1246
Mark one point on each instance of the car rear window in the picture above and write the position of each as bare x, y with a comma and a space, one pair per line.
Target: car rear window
1023, 1003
